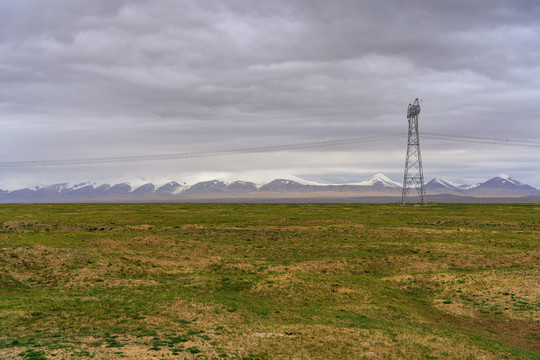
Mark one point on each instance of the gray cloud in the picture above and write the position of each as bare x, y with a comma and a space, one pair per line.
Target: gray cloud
113, 78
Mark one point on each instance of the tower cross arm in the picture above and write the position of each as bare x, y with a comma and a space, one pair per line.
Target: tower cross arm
413, 109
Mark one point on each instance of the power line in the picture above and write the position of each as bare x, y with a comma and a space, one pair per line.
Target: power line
482, 140
199, 154
265, 149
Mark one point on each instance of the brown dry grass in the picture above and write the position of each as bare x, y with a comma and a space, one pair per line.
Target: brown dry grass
271, 285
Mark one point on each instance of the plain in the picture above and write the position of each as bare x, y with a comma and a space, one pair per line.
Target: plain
269, 281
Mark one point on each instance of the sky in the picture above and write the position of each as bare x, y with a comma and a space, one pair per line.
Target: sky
116, 78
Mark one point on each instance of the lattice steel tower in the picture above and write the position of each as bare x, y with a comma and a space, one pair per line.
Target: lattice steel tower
414, 175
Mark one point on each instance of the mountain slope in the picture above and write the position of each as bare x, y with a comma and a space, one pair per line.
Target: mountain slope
284, 185
377, 185
379, 180
441, 186
502, 185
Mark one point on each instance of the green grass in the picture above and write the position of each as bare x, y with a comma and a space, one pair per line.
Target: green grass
269, 281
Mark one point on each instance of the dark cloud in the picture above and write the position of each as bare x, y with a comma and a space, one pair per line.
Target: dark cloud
112, 77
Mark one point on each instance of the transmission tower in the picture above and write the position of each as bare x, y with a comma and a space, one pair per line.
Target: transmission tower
414, 175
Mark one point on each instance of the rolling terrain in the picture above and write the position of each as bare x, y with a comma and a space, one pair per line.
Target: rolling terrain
269, 281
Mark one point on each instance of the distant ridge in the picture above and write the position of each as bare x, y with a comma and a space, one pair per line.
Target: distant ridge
378, 185
379, 180
442, 186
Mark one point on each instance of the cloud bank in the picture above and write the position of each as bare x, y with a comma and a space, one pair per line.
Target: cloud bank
118, 78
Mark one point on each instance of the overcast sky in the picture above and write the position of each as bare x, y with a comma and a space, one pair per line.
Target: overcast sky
113, 78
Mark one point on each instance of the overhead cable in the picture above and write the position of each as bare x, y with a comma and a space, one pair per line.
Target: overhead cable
198, 154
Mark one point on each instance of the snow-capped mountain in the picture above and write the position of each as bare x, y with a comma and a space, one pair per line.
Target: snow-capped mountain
441, 186
502, 185
242, 186
504, 181
379, 180
377, 185
118, 190
170, 189
145, 189
468, 186
284, 185
207, 187
221, 187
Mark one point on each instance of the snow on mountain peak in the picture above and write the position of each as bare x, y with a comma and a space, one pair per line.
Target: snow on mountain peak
379, 180
506, 177
446, 183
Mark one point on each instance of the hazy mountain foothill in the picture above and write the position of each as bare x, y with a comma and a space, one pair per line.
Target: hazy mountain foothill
378, 188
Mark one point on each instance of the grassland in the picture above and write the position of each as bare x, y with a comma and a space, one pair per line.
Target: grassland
269, 281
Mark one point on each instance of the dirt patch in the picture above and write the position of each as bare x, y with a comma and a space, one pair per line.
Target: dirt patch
140, 227
484, 224
149, 241
205, 317
431, 231
26, 226
273, 227
270, 334
336, 267
514, 294
40, 264
296, 288
459, 309
137, 243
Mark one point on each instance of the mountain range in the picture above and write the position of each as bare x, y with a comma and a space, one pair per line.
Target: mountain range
377, 185
502, 185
